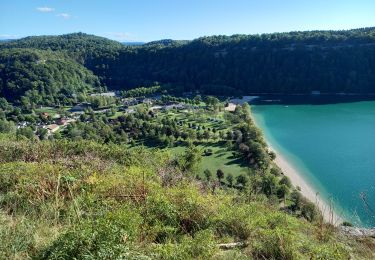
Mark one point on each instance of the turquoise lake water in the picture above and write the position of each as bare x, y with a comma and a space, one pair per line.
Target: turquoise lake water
333, 146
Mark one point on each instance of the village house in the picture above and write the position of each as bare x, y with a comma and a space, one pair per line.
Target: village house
230, 107
64, 121
53, 128
147, 101
61, 121
130, 102
105, 94
22, 124
129, 111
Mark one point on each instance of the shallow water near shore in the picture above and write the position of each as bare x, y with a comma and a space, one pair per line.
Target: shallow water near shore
332, 146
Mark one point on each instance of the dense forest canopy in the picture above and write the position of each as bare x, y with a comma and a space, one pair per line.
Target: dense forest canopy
294, 62
42, 74
75, 44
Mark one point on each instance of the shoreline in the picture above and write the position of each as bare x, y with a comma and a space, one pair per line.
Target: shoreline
328, 212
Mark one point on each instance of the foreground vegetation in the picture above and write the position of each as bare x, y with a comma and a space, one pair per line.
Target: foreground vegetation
64, 200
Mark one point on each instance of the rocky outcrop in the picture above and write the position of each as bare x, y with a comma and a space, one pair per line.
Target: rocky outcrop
358, 232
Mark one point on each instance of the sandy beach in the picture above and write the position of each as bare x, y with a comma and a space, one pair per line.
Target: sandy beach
297, 180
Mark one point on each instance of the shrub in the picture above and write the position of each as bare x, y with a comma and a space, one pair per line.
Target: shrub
309, 211
16, 237
109, 237
333, 251
208, 152
347, 224
235, 221
286, 181
276, 238
201, 246
275, 244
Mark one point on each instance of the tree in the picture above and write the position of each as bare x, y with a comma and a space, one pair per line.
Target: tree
197, 99
2, 114
276, 171
7, 126
269, 184
207, 174
238, 136
191, 158
282, 191
309, 211
57, 135
230, 179
4, 105
42, 133
213, 102
219, 174
208, 152
286, 181
272, 155
206, 135
296, 198
27, 132
170, 140
242, 180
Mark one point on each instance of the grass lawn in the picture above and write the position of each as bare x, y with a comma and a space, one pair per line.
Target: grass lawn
220, 159
49, 110
200, 118
116, 115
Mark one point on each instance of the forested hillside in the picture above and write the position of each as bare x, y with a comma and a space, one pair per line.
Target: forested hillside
295, 62
275, 63
42, 76
78, 45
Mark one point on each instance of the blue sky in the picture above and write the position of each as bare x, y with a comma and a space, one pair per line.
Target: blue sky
146, 20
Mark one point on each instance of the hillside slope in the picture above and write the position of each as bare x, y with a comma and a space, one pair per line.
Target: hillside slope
42, 76
288, 63
82, 200
295, 62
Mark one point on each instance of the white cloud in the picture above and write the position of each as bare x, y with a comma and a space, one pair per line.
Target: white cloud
45, 9
64, 15
119, 36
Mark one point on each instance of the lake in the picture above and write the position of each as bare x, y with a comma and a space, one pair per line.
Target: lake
332, 144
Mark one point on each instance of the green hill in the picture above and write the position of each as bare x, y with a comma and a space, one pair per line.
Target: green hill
294, 62
77, 45
42, 76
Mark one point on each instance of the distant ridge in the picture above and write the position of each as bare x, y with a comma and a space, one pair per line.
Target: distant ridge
341, 61
133, 43
74, 42
7, 40
167, 42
